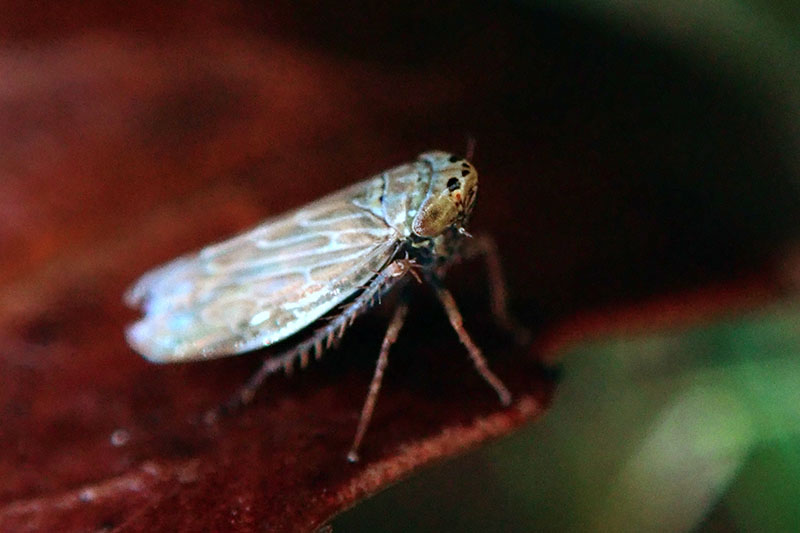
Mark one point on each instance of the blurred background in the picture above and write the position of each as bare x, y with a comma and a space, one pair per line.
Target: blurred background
686, 115
629, 152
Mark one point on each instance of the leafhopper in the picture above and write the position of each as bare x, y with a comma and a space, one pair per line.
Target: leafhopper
332, 259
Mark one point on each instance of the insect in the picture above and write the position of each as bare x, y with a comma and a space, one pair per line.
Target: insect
334, 258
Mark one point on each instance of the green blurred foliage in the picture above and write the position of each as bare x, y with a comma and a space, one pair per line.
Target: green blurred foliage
694, 429
690, 429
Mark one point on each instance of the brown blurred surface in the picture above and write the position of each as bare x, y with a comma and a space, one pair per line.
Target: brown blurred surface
610, 172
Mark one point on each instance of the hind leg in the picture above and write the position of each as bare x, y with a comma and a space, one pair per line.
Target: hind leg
320, 340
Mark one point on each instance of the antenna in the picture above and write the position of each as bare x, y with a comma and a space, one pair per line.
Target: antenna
471, 142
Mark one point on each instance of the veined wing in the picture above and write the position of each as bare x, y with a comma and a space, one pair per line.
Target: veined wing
262, 285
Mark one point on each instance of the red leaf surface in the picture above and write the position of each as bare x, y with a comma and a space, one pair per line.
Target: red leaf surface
131, 137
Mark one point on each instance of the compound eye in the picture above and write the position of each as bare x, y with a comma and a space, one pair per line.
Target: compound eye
453, 184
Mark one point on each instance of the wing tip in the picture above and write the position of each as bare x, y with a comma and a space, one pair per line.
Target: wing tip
133, 297
139, 338
152, 282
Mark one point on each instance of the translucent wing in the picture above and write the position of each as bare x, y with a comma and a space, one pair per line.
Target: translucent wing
265, 284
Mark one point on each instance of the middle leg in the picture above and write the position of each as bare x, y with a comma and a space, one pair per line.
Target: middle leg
389, 339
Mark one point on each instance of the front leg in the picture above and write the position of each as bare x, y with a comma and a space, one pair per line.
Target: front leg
484, 246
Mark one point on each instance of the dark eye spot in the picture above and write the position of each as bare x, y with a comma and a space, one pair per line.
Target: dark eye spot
453, 184
465, 173
453, 158
465, 164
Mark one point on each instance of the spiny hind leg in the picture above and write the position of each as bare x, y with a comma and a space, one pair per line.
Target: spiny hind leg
389, 339
320, 340
475, 354
484, 246
246, 392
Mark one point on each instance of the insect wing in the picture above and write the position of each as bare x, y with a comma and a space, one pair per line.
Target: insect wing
265, 284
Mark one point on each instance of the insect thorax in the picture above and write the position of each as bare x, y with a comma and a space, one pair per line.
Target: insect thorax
424, 197
432, 253
396, 196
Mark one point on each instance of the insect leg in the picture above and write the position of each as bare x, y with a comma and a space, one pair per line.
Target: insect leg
478, 360
320, 340
485, 247
389, 339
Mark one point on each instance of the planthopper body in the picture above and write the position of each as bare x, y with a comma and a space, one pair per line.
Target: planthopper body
333, 258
